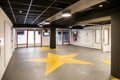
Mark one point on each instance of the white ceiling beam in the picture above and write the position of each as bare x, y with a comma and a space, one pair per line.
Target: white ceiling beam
76, 7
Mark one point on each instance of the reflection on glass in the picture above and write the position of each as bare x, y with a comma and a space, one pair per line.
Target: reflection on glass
37, 38
22, 37
59, 37
66, 36
30, 37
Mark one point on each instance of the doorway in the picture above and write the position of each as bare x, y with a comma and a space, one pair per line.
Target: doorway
66, 37
59, 37
37, 38
62, 37
31, 40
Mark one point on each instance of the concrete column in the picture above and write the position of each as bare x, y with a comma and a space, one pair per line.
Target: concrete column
52, 37
115, 51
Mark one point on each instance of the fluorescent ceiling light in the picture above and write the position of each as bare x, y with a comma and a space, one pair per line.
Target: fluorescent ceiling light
66, 14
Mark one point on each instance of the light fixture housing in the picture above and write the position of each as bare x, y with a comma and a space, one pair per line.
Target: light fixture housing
46, 22
66, 14
40, 25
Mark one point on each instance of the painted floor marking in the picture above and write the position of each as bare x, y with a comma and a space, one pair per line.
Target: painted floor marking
106, 61
54, 61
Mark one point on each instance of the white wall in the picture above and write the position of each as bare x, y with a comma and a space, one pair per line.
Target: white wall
6, 45
86, 37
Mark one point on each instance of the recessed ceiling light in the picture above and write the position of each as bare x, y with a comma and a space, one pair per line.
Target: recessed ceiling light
100, 5
20, 11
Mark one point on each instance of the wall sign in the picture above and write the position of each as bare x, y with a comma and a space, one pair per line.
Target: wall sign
75, 36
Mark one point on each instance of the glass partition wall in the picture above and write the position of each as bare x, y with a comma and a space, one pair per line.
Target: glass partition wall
28, 38
33, 38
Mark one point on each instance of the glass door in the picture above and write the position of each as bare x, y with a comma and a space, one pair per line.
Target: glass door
66, 37
21, 38
30, 38
37, 38
59, 37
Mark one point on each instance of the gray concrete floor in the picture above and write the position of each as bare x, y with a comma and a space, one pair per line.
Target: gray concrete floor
19, 69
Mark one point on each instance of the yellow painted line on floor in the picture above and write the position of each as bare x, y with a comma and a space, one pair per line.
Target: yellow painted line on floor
115, 79
106, 61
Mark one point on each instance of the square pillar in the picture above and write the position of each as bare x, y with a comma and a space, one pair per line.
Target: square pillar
115, 46
52, 37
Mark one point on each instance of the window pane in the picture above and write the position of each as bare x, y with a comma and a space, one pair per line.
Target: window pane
37, 37
30, 37
22, 37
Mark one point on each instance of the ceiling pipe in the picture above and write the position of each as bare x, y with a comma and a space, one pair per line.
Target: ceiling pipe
35, 5
28, 11
12, 11
43, 11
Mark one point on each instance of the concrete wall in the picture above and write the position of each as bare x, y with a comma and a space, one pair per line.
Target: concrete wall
7, 41
86, 37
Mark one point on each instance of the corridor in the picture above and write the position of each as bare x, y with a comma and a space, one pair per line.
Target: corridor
59, 39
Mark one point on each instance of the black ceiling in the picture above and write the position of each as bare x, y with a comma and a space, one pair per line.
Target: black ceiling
109, 8
37, 7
